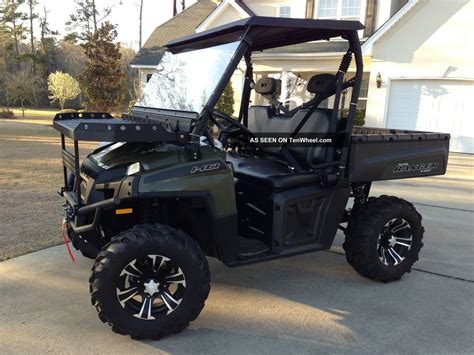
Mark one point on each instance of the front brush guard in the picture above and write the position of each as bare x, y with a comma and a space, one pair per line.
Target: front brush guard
72, 212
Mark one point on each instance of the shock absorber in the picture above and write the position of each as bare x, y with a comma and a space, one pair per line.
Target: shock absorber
345, 62
360, 194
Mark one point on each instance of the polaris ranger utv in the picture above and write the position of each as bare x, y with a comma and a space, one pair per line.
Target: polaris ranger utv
169, 189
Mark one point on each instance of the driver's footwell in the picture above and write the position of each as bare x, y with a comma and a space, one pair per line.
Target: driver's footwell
250, 247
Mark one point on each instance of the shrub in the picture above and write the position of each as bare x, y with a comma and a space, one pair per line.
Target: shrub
131, 103
62, 87
359, 119
6, 113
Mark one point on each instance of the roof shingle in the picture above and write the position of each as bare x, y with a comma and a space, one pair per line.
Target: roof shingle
181, 25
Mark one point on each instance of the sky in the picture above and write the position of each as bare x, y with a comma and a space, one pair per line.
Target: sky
124, 14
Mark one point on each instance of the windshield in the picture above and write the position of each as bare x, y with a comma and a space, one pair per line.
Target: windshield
186, 80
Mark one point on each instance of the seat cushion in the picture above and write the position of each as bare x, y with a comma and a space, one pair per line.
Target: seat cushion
269, 172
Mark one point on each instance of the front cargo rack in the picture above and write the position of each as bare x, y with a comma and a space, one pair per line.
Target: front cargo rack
102, 127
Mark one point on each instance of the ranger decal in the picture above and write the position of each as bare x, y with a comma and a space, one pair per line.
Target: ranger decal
422, 168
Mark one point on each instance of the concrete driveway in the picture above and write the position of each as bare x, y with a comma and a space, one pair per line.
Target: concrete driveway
313, 303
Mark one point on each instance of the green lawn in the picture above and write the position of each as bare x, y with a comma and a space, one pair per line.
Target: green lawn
30, 175
32, 115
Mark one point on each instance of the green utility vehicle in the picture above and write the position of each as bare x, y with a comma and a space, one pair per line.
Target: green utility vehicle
179, 180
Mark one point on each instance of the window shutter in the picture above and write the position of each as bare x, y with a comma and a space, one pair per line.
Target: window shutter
371, 8
309, 8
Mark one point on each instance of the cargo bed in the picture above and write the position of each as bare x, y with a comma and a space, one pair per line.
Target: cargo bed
382, 154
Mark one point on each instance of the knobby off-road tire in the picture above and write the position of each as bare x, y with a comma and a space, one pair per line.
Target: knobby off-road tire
384, 238
150, 281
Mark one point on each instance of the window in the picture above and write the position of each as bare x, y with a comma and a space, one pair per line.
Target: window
350, 9
327, 8
363, 93
364, 88
340, 9
284, 11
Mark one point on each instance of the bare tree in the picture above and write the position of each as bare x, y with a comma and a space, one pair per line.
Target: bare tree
32, 16
44, 26
140, 25
86, 17
175, 6
18, 87
94, 15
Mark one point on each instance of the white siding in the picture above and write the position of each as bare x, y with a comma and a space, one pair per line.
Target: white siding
270, 7
430, 42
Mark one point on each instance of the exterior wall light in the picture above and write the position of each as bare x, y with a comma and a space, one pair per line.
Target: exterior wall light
378, 80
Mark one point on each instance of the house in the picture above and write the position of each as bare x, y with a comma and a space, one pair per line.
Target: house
184, 24
426, 70
418, 71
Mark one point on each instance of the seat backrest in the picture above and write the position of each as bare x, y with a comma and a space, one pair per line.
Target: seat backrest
267, 86
322, 83
262, 119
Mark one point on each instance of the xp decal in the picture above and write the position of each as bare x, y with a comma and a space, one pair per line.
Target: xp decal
205, 167
212, 165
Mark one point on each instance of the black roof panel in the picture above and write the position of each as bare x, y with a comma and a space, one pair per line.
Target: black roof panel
268, 32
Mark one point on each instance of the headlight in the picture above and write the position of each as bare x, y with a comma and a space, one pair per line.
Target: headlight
133, 169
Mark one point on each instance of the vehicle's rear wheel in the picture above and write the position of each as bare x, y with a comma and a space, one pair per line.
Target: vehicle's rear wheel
150, 281
384, 238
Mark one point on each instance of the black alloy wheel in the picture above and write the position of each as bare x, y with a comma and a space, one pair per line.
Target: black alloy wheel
151, 287
394, 242
150, 281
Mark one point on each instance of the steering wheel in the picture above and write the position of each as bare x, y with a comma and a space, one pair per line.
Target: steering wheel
234, 128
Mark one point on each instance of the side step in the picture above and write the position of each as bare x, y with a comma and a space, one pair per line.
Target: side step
251, 247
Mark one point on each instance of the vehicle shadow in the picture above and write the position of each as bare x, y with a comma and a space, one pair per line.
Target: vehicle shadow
274, 306
315, 302
308, 303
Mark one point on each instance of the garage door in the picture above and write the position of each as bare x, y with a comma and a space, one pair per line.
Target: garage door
437, 106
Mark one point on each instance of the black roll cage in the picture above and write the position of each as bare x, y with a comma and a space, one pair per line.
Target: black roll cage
254, 34
245, 49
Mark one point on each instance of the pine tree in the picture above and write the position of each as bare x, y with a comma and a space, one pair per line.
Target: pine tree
102, 79
226, 101
31, 17
11, 23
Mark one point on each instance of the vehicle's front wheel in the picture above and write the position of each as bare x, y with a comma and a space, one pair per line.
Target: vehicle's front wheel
384, 238
150, 281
